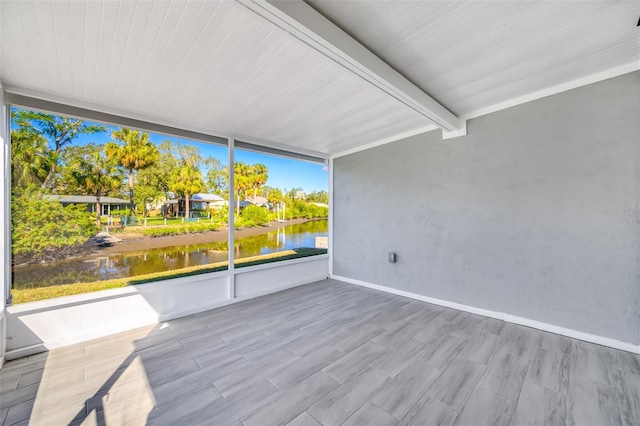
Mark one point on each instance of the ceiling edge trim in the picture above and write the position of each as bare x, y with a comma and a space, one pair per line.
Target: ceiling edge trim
554, 90
559, 88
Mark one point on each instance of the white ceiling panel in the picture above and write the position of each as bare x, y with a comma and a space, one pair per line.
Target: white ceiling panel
470, 55
205, 65
218, 68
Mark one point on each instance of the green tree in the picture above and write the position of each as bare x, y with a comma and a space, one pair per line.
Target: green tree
318, 197
186, 180
93, 172
241, 182
217, 178
159, 174
259, 176
60, 131
275, 196
246, 177
150, 186
30, 158
133, 151
293, 194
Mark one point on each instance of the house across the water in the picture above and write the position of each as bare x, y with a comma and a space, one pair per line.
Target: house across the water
107, 204
197, 203
254, 201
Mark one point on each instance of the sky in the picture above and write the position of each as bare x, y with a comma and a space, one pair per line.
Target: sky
284, 173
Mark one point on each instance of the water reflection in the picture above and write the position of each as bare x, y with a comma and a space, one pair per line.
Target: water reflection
287, 238
166, 259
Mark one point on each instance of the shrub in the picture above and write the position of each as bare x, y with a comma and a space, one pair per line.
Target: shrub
257, 215
179, 230
301, 209
123, 212
41, 228
241, 222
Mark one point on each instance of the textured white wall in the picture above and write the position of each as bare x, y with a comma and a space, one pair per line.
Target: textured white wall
535, 213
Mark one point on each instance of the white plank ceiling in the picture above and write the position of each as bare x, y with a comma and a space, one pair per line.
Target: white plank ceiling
470, 55
215, 67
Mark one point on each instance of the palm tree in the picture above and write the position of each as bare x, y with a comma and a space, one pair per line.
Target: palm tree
241, 181
93, 172
134, 152
259, 177
186, 180
31, 158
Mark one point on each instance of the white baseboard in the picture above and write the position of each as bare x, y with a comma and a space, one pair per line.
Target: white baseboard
551, 328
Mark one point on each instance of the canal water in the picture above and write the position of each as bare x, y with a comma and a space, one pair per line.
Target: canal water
137, 263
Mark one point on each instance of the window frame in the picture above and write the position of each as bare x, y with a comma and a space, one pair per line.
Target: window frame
10, 100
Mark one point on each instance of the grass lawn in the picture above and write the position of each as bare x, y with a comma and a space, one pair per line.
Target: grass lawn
42, 293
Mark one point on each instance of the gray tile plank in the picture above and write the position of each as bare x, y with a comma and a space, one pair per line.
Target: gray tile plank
426, 315
506, 373
556, 343
428, 411
19, 412
355, 362
239, 380
341, 403
482, 349
627, 362
628, 389
397, 334
310, 342
304, 419
224, 411
391, 318
371, 415
19, 395
293, 402
486, 408
456, 384
538, 405
178, 409
522, 340
443, 350
400, 355
173, 371
593, 403
15, 368
303, 369
399, 394
10, 383
197, 380
491, 325
550, 370
357, 336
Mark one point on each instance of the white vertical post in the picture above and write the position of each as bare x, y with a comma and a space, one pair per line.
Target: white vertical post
330, 246
231, 221
5, 218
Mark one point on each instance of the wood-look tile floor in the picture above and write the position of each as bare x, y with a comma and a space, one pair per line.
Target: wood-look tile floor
327, 353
